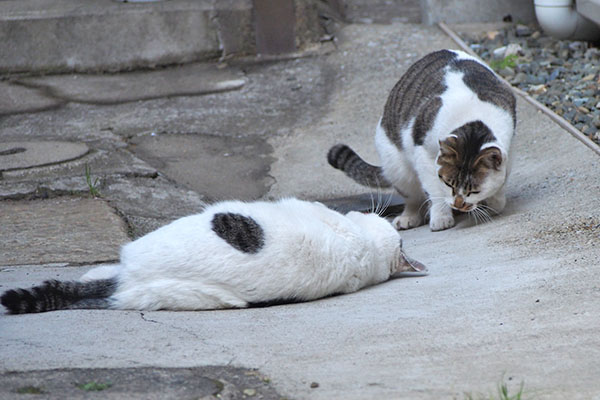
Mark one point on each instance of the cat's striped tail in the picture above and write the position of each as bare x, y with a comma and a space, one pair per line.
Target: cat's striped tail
59, 295
345, 159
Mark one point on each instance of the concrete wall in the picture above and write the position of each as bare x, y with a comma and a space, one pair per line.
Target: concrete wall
459, 11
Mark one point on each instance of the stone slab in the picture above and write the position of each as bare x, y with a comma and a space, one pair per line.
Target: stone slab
104, 35
20, 99
184, 80
147, 204
64, 230
217, 167
227, 383
20, 155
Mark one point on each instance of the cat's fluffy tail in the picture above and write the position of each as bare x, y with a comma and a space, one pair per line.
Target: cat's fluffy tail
59, 295
345, 159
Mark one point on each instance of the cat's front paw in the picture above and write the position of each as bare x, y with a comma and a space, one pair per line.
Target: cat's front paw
441, 222
403, 222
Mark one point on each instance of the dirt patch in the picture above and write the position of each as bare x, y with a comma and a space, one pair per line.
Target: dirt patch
139, 383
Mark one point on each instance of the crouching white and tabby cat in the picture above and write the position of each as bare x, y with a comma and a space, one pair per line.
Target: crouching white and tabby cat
443, 139
234, 254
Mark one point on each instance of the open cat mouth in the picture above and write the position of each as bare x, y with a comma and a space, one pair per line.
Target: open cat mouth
465, 208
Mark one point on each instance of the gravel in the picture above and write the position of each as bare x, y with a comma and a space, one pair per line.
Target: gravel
562, 74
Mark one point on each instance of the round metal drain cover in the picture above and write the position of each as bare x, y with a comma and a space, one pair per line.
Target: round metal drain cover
20, 155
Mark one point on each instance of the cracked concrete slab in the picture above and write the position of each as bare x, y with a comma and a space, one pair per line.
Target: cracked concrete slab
148, 204
70, 176
69, 230
182, 80
19, 99
204, 162
227, 383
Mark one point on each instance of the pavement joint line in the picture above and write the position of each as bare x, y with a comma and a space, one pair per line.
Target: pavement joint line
563, 123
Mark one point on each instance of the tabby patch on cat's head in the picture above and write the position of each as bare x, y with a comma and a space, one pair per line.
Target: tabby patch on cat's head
466, 163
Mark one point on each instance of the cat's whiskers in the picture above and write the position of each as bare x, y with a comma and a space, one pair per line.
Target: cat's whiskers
378, 207
384, 205
480, 215
487, 208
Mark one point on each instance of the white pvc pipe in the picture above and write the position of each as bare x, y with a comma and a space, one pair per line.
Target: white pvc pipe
559, 18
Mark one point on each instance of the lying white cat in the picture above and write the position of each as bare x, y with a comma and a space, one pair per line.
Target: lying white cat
234, 254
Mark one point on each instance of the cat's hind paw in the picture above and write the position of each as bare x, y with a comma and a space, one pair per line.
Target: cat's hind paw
403, 222
441, 222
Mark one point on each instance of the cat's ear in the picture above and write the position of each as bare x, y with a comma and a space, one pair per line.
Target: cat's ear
408, 264
491, 157
448, 147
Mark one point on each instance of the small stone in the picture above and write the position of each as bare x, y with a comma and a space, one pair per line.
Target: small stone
507, 72
492, 35
587, 130
583, 110
249, 392
519, 78
576, 46
498, 53
580, 101
588, 77
554, 74
513, 49
522, 30
534, 80
537, 89
314, 385
536, 35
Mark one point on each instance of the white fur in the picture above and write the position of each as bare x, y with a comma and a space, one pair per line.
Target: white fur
309, 252
414, 171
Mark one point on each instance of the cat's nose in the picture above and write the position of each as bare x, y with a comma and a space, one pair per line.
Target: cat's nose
459, 202
461, 205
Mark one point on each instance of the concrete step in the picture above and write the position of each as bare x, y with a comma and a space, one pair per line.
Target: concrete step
78, 35
49, 36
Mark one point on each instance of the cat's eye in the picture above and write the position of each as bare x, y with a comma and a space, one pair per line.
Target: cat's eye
474, 192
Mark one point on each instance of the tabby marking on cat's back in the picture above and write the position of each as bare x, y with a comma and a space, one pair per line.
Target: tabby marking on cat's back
421, 83
424, 121
242, 233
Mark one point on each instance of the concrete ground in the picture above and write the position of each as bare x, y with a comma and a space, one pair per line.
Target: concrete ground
512, 300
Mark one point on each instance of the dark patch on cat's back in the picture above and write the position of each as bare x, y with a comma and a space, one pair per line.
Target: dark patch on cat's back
242, 233
487, 86
424, 121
